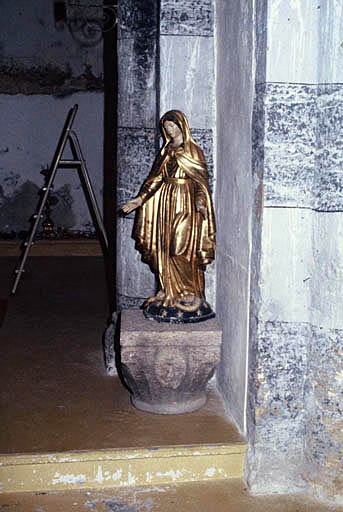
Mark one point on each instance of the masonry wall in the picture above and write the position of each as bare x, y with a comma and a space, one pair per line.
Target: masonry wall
44, 72
278, 190
295, 393
137, 135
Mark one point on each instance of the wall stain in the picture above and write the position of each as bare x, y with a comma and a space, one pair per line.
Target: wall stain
17, 210
49, 79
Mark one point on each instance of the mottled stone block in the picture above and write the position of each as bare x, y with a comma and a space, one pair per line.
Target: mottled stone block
297, 135
205, 140
278, 365
135, 281
137, 17
136, 154
210, 284
166, 366
329, 186
281, 355
324, 414
289, 142
137, 53
187, 78
193, 17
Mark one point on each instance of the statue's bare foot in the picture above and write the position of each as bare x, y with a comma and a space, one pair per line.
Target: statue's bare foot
189, 303
160, 295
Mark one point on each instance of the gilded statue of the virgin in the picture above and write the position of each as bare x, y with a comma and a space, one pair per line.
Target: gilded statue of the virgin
174, 226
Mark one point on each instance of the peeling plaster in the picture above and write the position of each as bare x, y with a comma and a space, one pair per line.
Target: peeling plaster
210, 472
131, 480
117, 475
175, 475
68, 478
99, 477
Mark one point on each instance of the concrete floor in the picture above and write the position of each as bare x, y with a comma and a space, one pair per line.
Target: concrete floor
220, 496
55, 396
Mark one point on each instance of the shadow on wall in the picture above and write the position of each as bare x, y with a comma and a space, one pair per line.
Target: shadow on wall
20, 207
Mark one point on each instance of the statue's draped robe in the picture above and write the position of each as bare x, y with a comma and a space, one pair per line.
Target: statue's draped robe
174, 238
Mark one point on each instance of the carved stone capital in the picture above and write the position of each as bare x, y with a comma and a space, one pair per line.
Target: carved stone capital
168, 366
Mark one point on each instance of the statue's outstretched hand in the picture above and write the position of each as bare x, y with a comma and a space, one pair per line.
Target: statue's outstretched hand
132, 205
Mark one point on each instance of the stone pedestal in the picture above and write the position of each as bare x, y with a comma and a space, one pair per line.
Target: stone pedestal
167, 366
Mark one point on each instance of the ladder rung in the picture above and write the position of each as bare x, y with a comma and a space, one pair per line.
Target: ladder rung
27, 243
36, 215
18, 271
71, 162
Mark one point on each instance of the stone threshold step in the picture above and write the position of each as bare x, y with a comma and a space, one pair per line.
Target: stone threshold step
120, 468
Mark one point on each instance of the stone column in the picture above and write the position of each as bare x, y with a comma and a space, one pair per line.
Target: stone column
296, 368
234, 30
137, 135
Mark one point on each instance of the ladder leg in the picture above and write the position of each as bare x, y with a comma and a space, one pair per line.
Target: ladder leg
55, 162
76, 148
30, 241
28, 245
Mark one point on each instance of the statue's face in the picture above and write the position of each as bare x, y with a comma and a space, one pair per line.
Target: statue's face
172, 129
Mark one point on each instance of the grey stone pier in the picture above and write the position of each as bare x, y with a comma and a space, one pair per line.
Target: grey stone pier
167, 366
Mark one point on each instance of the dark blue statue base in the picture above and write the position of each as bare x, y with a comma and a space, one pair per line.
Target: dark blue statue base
156, 311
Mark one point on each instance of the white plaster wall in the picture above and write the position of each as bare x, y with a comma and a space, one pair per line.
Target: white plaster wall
292, 40
33, 127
